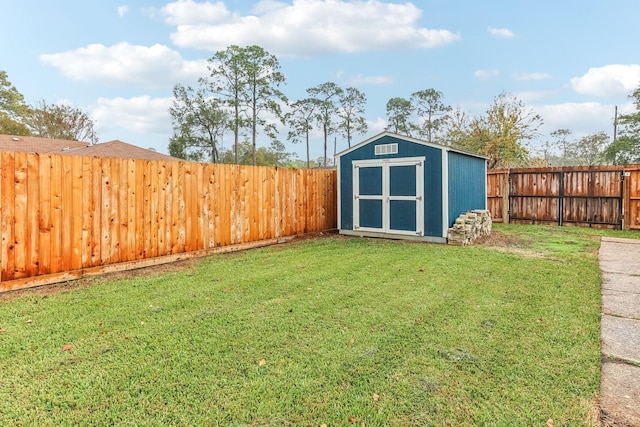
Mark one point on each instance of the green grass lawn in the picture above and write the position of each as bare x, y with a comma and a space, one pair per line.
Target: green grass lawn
333, 330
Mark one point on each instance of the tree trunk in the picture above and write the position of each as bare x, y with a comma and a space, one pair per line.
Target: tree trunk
324, 160
308, 164
253, 134
236, 130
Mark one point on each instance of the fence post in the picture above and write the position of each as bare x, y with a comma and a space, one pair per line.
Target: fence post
561, 198
626, 200
505, 197
2, 230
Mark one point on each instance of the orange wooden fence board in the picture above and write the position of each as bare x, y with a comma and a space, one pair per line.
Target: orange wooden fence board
122, 247
20, 212
86, 212
95, 208
44, 221
7, 220
77, 246
632, 199
56, 213
69, 213
33, 216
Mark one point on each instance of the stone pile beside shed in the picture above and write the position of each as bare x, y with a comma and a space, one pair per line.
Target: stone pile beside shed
469, 226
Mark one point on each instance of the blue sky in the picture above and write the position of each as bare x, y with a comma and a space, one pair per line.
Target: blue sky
570, 61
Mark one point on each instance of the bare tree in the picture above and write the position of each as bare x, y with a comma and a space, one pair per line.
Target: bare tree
228, 78
300, 121
12, 108
248, 78
561, 137
429, 107
399, 112
199, 122
456, 127
503, 132
263, 75
61, 122
324, 96
350, 113
590, 149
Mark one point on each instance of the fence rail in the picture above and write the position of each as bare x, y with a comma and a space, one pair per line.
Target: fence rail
61, 213
598, 196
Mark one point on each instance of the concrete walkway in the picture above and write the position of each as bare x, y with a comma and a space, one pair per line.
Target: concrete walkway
620, 379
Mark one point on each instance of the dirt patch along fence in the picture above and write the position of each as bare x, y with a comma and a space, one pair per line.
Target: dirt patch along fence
594, 196
61, 214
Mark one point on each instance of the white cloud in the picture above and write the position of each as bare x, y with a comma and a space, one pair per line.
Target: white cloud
581, 118
531, 76
486, 74
304, 27
127, 64
501, 32
265, 6
188, 12
142, 114
359, 79
122, 10
376, 126
610, 80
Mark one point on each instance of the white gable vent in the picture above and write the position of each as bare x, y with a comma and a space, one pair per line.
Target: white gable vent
386, 149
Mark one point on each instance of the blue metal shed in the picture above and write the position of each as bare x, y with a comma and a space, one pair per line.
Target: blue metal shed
396, 186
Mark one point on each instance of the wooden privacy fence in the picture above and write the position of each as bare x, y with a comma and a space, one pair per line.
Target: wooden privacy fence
591, 196
62, 214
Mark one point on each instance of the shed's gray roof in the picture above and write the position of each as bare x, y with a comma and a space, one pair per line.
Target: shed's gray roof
409, 139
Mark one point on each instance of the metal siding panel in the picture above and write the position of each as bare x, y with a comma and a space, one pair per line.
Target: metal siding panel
467, 184
346, 194
339, 197
433, 193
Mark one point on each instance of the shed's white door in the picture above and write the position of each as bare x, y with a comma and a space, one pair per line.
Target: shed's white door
388, 196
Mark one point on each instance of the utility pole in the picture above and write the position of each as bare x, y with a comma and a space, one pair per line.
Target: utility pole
615, 124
